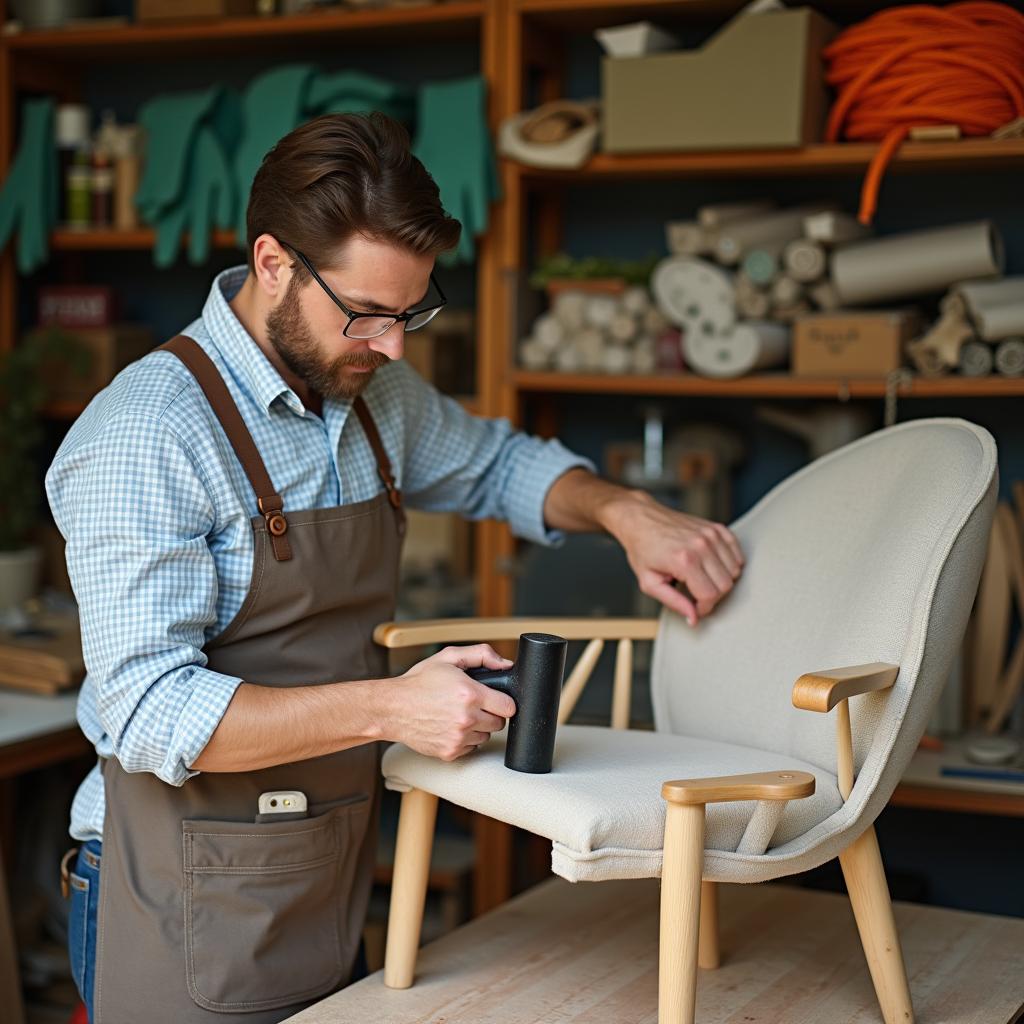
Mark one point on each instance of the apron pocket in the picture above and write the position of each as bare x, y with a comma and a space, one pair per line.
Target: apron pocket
264, 906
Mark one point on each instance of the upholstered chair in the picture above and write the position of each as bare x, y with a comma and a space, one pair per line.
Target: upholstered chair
783, 720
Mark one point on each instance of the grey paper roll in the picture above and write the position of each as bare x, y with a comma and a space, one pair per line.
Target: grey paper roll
1009, 357
685, 238
996, 307
761, 265
694, 294
834, 227
739, 237
997, 322
748, 346
752, 303
786, 291
976, 359
916, 263
716, 214
805, 260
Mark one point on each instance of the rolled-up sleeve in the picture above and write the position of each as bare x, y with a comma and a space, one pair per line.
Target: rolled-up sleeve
483, 468
132, 505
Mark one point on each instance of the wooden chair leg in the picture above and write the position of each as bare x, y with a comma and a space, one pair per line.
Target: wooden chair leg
707, 947
682, 865
409, 886
869, 893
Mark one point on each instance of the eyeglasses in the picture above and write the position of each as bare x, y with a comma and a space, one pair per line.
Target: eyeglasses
373, 325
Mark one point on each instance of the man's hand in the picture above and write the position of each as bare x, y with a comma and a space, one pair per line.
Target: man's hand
664, 546
438, 710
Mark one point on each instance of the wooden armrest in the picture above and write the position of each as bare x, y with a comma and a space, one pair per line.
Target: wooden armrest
448, 631
822, 691
782, 785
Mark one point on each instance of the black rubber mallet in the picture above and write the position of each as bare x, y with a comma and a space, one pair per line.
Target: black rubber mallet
534, 682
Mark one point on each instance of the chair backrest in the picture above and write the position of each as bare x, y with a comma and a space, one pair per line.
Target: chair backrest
870, 553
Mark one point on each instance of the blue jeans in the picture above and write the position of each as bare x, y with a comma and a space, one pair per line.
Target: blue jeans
85, 901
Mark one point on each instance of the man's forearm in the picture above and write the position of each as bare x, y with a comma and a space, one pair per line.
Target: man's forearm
580, 502
265, 726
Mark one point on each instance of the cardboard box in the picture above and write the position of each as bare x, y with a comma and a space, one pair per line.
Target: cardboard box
110, 350
757, 84
861, 344
181, 10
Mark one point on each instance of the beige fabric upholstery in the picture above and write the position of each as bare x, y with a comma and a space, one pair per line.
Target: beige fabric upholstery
871, 553
601, 804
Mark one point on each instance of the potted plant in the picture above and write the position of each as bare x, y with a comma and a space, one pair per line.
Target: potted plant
23, 392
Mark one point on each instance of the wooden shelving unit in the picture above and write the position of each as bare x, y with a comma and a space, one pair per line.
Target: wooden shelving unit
224, 36
765, 385
66, 240
827, 158
520, 42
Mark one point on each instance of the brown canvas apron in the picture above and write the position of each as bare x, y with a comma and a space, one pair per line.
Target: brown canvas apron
203, 912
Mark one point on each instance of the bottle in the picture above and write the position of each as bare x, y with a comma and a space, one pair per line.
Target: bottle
71, 130
102, 206
79, 192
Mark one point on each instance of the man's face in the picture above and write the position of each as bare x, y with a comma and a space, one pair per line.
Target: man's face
306, 327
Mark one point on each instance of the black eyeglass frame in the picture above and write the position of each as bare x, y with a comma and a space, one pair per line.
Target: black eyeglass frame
355, 315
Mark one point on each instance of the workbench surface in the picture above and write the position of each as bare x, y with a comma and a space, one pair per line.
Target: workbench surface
587, 954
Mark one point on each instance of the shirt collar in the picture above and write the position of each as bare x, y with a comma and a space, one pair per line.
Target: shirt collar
239, 348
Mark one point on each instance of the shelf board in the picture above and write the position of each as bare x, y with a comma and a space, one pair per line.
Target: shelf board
821, 158
586, 15
762, 385
170, 40
68, 240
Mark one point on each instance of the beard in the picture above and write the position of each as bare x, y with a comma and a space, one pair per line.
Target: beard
292, 338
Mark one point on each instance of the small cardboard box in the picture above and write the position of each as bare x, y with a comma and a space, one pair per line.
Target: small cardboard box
861, 344
110, 350
757, 84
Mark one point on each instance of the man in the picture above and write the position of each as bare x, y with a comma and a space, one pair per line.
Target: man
233, 510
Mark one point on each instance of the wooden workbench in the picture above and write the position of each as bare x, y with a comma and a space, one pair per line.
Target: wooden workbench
587, 954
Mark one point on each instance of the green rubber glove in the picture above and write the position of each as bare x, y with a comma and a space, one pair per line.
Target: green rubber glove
170, 124
272, 106
347, 92
454, 144
189, 183
29, 197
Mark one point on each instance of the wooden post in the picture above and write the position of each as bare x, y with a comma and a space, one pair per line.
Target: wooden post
869, 895
708, 956
683, 861
409, 886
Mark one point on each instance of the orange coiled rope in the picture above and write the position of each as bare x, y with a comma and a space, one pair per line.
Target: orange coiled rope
919, 65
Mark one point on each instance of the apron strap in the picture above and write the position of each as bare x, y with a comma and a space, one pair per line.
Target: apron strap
268, 501
383, 462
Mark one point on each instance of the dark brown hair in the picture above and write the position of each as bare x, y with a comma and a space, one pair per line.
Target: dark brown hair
341, 174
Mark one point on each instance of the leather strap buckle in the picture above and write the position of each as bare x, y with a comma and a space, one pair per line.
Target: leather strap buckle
271, 508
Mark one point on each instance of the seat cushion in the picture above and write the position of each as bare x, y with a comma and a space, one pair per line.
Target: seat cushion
601, 804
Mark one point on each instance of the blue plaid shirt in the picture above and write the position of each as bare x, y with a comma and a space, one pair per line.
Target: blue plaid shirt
155, 509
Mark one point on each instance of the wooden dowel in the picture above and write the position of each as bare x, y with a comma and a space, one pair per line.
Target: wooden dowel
708, 956
844, 749
409, 886
623, 689
578, 679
